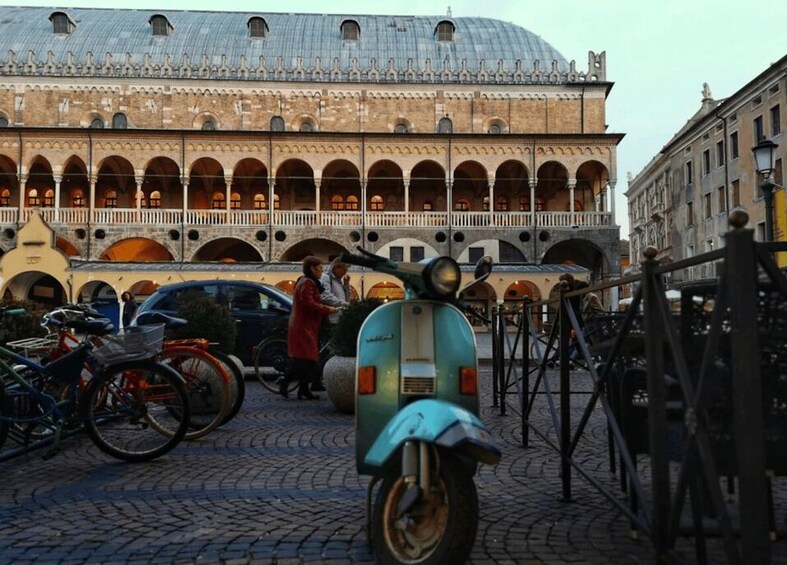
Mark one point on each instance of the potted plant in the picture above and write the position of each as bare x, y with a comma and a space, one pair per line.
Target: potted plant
339, 370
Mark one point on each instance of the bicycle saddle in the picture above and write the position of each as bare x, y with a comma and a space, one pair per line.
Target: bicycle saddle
91, 326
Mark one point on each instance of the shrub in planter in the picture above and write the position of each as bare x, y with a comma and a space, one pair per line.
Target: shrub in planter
339, 371
344, 341
208, 320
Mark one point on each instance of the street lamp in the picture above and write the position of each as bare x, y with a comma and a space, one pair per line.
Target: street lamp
763, 157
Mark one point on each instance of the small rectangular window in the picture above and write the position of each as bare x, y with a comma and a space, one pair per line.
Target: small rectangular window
736, 193
722, 194
756, 101
720, 156
734, 147
708, 206
396, 253
416, 254
689, 173
776, 126
690, 214
705, 162
759, 130
475, 253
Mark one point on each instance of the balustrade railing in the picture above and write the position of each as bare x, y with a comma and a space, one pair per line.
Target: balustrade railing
308, 218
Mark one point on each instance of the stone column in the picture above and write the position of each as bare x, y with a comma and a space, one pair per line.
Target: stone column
92, 196
572, 184
22, 197
138, 198
533, 183
449, 196
185, 204
228, 198
317, 185
58, 181
491, 185
611, 196
406, 195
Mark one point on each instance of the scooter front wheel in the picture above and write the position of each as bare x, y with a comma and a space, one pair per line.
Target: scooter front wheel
439, 528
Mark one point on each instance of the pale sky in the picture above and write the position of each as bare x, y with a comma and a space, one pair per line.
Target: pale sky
659, 53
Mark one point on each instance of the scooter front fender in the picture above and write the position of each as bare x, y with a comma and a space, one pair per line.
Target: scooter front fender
437, 422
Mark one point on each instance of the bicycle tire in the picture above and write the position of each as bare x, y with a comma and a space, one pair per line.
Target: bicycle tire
237, 382
207, 384
271, 362
144, 398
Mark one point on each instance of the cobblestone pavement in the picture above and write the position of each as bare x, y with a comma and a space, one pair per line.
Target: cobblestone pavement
278, 485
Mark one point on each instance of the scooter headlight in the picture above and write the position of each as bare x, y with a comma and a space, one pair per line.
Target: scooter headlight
442, 276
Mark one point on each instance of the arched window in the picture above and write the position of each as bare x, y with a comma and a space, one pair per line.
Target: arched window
307, 125
32, 198
258, 29
462, 205
277, 123
110, 199
444, 31
3, 122
5, 197
401, 128
445, 125
160, 26
539, 204
337, 202
486, 204
217, 201
235, 201
155, 200
351, 203
119, 121
61, 23
351, 30
524, 204
49, 198
97, 123
495, 128
428, 206
78, 199
259, 201
208, 125
276, 202
377, 203
502, 204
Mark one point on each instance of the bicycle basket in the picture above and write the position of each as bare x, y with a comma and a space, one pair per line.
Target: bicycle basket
131, 344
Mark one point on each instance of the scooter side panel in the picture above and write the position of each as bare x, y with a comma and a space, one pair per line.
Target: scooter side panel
456, 349
379, 344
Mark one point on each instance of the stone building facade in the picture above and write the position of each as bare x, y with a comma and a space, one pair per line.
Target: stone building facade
681, 200
241, 142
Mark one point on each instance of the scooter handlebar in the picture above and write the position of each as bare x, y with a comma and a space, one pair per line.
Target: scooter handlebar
360, 260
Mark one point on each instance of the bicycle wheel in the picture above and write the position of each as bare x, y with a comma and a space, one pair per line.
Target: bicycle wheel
146, 412
237, 382
207, 384
271, 362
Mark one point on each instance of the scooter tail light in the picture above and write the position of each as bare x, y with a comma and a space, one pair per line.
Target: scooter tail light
468, 381
367, 381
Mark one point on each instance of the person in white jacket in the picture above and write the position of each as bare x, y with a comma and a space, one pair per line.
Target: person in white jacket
336, 288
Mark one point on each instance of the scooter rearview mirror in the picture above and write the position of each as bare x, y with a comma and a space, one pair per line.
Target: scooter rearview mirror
483, 268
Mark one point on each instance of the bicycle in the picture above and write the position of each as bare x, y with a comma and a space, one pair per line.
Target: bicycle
271, 361
132, 407
207, 380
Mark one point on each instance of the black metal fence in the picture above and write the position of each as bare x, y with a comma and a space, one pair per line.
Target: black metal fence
702, 391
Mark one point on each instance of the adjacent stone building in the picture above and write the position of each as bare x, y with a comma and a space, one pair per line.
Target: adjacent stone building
238, 143
680, 201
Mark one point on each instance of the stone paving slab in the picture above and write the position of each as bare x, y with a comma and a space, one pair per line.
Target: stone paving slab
278, 485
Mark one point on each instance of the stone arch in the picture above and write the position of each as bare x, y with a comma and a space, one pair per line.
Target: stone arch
470, 186
39, 180
250, 180
8, 182
385, 180
162, 175
227, 250
427, 187
341, 179
500, 250
295, 185
115, 175
206, 178
136, 249
410, 249
386, 291
592, 179
74, 186
512, 182
580, 252
552, 180
39, 287
325, 249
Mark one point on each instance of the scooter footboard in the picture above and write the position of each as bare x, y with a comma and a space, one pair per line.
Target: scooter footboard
437, 422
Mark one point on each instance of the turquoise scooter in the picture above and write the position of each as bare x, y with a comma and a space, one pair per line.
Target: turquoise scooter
417, 426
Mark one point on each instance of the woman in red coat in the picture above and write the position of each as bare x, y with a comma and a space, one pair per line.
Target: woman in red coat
303, 345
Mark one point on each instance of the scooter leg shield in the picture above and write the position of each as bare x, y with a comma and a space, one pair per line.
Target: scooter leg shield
438, 422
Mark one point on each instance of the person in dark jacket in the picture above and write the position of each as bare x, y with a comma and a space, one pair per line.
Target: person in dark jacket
303, 332
129, 308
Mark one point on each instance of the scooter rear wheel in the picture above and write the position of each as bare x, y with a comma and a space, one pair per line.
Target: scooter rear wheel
439, 528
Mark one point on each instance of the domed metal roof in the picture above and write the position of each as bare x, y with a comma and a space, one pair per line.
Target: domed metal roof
295, 46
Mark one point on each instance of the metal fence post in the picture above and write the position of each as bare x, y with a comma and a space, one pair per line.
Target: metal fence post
565, 393
741, 274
